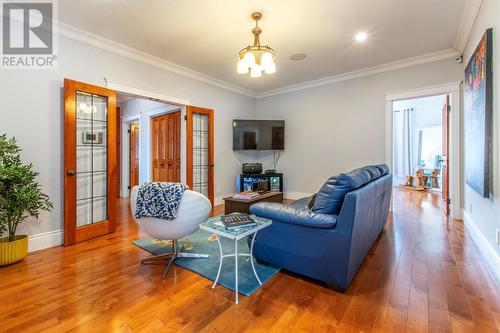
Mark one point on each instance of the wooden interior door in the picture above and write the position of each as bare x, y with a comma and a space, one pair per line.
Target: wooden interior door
166, 152
200, 150
118, 150
445, 160
134, 155
90, 161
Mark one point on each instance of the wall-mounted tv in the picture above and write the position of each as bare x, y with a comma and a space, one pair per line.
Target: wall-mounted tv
258, 134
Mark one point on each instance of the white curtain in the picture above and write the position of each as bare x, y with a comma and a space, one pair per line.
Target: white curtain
403, 145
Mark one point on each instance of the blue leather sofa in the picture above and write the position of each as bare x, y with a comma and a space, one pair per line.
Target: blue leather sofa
329, 241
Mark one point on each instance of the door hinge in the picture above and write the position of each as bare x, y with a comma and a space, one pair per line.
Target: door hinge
185, 117
128, 187
449, 108
449, 201
128, 131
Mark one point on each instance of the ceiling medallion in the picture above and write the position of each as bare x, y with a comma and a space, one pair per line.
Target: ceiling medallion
257, 58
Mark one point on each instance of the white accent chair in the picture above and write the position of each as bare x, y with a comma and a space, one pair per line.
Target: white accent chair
193, 209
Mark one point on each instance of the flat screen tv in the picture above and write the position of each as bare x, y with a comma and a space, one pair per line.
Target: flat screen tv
258, 134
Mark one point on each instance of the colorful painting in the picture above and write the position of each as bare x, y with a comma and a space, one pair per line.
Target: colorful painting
478, 114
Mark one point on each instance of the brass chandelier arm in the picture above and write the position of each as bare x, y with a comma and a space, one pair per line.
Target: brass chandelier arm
258, 48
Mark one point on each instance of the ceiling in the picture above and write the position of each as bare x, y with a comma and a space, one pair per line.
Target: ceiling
206, 36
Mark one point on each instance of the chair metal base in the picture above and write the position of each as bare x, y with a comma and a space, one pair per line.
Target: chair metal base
173, 256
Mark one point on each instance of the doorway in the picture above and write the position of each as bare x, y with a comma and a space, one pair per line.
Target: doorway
102, 157
420, 141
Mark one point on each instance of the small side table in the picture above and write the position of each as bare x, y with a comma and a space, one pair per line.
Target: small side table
215, 226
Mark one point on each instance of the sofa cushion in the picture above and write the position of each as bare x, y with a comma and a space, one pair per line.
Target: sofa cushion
310, 203
293, 215
301, 203
331, 195
373, 171
383, 168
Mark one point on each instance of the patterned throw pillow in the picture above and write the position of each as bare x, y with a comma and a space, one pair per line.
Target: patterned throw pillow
160, 200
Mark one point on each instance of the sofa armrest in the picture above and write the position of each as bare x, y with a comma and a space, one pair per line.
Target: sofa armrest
294, 215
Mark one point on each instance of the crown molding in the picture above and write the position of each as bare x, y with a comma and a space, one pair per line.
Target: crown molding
82, 36
126, 51
399, 64
469, 14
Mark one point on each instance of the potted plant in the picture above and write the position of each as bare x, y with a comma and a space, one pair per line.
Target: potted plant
20, 198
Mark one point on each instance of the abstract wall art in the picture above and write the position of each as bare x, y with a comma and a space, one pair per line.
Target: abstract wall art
478, 110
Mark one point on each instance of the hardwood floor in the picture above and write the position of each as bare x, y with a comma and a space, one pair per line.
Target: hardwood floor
423, 275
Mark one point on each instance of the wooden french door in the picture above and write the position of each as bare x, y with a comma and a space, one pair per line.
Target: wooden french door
134, 155
118, 150
444, 162
90, 161
166, 144
200, 150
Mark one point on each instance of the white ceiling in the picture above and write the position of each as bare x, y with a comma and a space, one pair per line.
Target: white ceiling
206, 35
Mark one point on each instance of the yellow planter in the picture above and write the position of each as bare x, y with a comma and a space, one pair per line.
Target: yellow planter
11, 252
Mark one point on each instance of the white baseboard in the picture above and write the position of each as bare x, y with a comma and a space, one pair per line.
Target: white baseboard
295, 195
45, 240
218, 199
456, 212
486, 249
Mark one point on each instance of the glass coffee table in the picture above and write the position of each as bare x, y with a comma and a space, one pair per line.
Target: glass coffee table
215, 226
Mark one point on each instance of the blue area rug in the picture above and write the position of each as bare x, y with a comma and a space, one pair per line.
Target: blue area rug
203, 242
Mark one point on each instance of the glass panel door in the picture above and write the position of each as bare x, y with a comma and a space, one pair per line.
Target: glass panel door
90, 161
91, 158
199, 147
200, 153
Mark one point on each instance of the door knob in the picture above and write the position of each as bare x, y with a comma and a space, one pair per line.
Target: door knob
71, 172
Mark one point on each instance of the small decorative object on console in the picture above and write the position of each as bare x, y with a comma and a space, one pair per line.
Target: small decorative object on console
235, 221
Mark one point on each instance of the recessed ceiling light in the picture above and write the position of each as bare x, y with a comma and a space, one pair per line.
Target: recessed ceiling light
361, 37
298, 56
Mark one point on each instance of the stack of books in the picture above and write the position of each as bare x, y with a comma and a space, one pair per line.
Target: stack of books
235, 221
246, 195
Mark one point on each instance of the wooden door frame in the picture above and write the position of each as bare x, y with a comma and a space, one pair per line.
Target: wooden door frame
445, 172
72, 234
130, 152
189, 148
454, 90
118, 150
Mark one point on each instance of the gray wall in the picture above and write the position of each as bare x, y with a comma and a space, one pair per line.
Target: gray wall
485, 213
341, 126
32, 111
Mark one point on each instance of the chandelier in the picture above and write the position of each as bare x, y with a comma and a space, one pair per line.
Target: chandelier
257, 58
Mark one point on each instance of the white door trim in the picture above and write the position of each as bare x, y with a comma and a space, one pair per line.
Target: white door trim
454, 90
159, 96
125, 153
